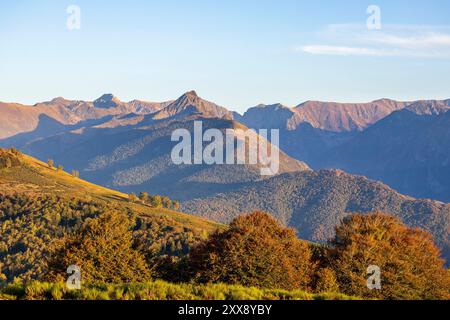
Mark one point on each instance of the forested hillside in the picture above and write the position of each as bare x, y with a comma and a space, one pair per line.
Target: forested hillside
314, 202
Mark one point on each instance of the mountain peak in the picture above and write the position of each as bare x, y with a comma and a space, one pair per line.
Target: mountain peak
107, 101
107, 97
383, 100
189, 97
191, 93
189, 104
57, 100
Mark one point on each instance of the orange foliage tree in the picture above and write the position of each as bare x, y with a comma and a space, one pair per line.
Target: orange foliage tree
254, 251
409, 261
103, 250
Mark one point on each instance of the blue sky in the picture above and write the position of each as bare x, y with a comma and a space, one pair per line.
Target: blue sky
235, 53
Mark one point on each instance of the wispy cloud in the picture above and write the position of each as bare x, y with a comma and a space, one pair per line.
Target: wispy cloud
426, 41
392, 40
343, 51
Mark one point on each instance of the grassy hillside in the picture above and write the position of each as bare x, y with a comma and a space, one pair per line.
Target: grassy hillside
34, 177
158, 290
39, 205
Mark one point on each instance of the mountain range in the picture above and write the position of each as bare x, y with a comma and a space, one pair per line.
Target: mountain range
327, 116
17, 118
133, 152
127, 146
355, 137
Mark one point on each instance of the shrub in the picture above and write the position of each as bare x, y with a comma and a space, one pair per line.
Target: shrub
166, 202
9, 159
75, 173
156, 201
143, 196
132, 197
175, 205
254, 251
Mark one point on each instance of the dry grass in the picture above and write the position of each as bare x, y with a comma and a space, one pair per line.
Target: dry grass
158, 290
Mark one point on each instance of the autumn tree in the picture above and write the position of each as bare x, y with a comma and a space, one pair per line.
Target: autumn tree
75, 174
325, 281
60, 168
15, 151
175, 205
8, 163
133, 198
409, 261
156, 201
3, 278
144, 197
166, 202
171, 268
104, 252
50, 163
254, 251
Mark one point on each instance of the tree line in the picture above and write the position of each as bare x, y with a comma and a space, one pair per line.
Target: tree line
256, 251
155, 201
60, 168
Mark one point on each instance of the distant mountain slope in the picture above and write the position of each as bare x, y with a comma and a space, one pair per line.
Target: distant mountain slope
310, 130
144, 107
263, 116
339, 117
409, 150
327, 116
429, 107
314, 202
17, 119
